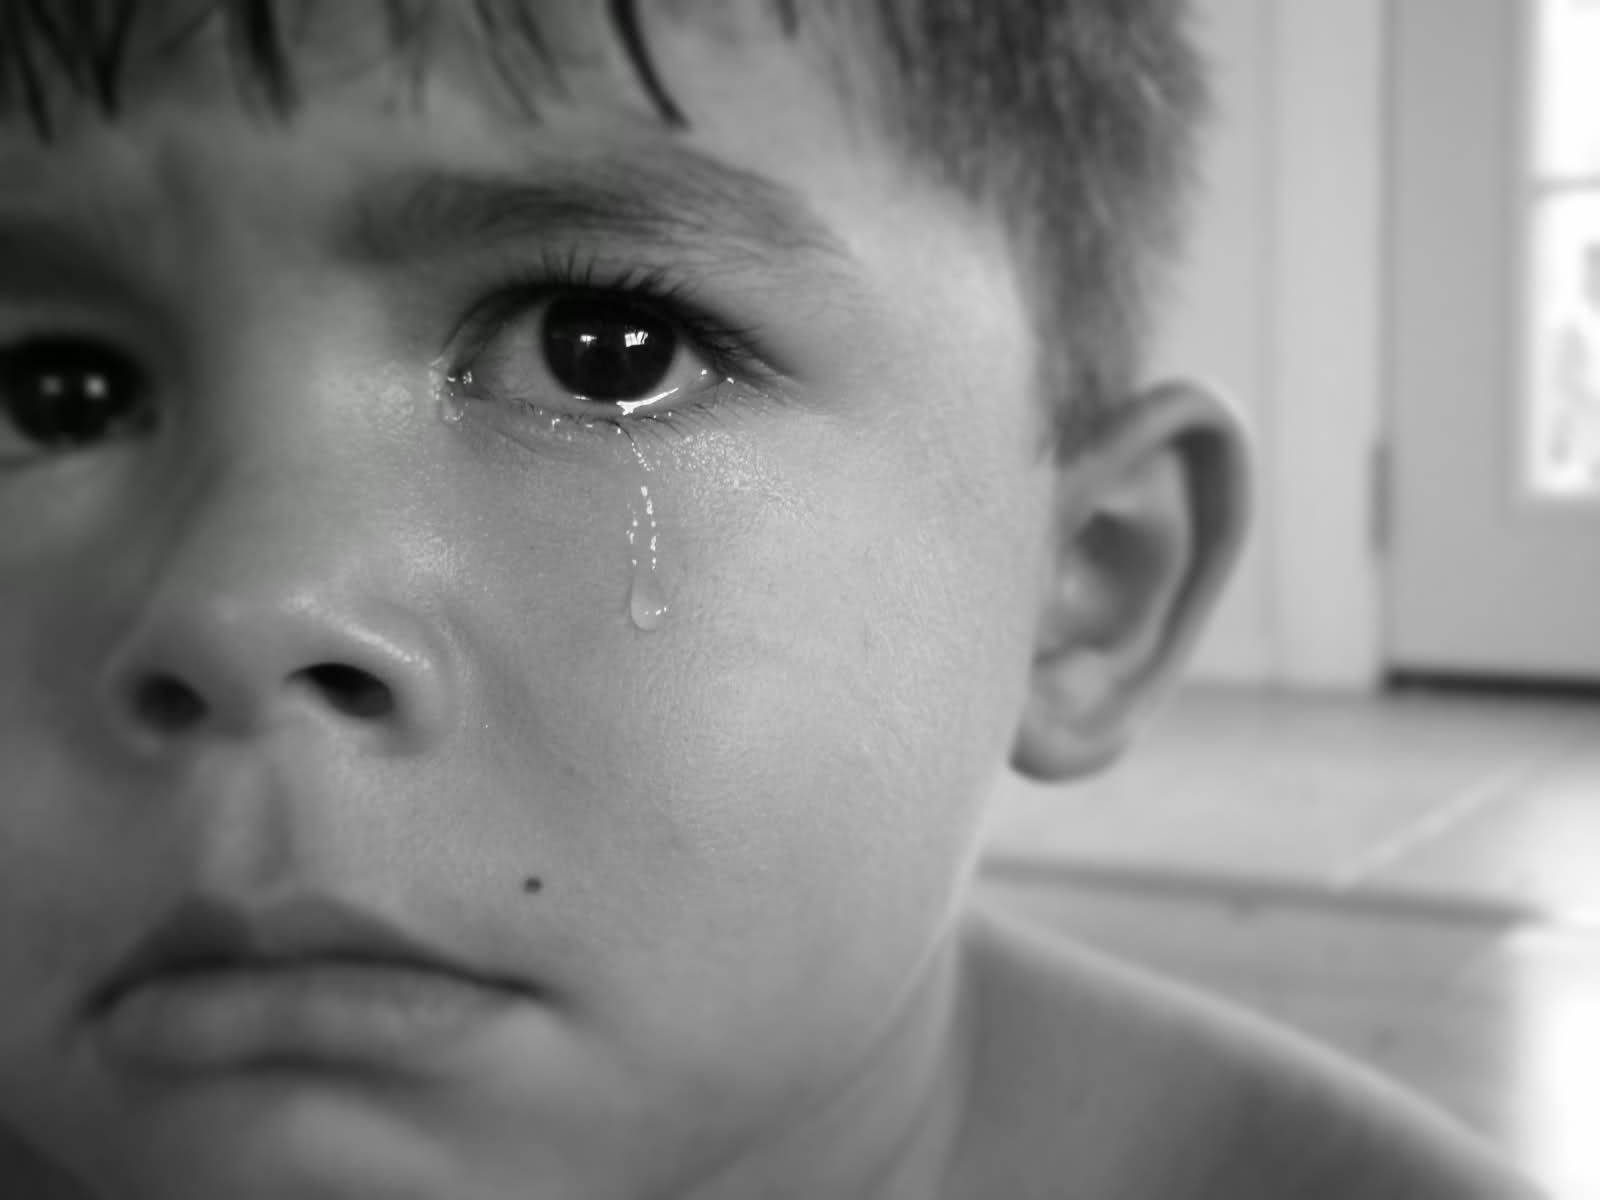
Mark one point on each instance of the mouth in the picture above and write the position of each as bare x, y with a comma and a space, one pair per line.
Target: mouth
312, 983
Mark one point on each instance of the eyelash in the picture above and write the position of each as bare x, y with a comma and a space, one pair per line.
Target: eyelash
731, 351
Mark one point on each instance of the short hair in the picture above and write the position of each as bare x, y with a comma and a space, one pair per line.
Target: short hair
1073, 122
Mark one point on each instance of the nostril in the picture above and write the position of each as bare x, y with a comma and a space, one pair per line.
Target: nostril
350, 690
167, 703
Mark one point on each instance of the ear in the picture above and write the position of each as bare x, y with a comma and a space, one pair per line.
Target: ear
1148, 522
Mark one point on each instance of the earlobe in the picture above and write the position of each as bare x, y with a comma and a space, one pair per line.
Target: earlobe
1150, 519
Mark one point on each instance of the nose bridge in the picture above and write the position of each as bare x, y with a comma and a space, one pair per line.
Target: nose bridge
282, 586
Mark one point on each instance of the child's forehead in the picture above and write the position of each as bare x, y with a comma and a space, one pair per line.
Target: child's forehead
522, 79
518, 55
399, 134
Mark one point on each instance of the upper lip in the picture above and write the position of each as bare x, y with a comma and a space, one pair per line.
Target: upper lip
207, 933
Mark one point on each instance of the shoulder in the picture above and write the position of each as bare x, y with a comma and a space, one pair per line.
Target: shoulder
1093, 1078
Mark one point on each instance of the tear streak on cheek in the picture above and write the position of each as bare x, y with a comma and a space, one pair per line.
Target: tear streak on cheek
648, 603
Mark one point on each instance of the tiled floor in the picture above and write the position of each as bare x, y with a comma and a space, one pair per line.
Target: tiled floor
1414, 878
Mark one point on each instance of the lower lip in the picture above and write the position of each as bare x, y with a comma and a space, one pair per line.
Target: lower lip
326, 1014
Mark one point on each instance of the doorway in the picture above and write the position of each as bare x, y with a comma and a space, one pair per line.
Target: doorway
1494, 379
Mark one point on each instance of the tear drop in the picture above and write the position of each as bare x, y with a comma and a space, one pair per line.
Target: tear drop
451, 402
647, 602
647, 598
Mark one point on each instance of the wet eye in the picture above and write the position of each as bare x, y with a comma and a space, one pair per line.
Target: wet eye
66, 393
606, 349
584, 354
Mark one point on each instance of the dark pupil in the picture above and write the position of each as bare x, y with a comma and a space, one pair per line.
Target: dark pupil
606, 349
62, 392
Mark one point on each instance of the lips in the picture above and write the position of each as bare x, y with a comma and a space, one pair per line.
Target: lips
204, 934
312, 980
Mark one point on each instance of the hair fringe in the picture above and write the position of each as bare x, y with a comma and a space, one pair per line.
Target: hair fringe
1073, 121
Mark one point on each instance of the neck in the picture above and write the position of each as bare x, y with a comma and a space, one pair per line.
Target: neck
888, 1132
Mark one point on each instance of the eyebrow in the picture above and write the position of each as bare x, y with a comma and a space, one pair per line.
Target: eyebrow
94, 246
688, 204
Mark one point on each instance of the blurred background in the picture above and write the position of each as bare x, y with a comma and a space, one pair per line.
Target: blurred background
1374, 810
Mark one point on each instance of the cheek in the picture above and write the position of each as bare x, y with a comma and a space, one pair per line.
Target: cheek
63, 915
819, 716
62, 844
41, 873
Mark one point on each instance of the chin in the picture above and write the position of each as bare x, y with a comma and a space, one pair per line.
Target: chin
290, 1138
280, 1140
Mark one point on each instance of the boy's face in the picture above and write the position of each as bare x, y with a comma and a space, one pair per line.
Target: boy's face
303, 598
748, 822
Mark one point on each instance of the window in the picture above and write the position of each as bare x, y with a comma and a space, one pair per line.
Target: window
1561, 421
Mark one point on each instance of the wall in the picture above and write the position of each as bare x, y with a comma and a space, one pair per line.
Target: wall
1279, 306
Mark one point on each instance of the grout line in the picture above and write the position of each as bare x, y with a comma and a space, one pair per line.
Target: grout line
1256, 892
1433, 825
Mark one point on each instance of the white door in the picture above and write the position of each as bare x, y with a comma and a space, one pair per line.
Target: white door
1494, 460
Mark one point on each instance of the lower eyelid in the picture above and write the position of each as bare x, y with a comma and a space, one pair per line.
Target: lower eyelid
532, 425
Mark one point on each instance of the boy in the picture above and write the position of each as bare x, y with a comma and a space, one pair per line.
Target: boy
529, 530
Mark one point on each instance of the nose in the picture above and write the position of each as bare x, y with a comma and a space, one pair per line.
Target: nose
232, 665
244, 626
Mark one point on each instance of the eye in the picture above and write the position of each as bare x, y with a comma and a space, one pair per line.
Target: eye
68, 393
606, 349
587, 354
